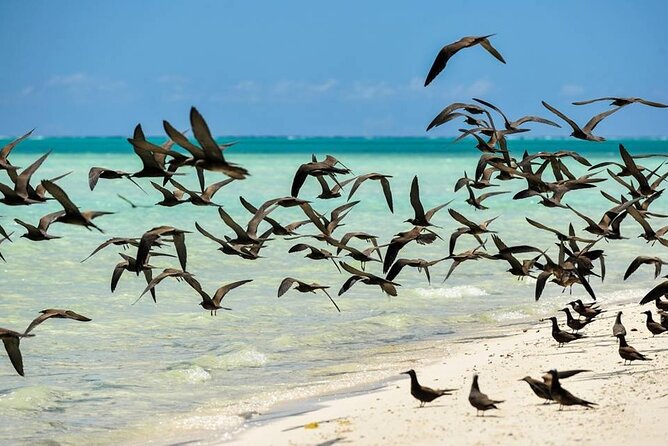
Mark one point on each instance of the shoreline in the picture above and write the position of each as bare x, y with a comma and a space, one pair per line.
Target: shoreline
384, 412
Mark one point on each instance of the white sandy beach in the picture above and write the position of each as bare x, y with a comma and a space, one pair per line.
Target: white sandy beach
632, 400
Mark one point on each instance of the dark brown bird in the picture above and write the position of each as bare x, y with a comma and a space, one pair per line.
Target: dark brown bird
656, 293
420, 264
95, 173
451, 49
204, 198
39, 233
588, 311
629, 353
304, 287
514, 125
153, 237
421, 217
209, 303
7, 149
561, 336
57, 313
167, 272
248, 252
169, 198
20, 194
422, 393
479, 400
470, 227
621, 102
316, 169
4, 237
645, 260
471, 254
72, 214
575, 324
654, 327
210, 155
384, 183
476, 202
584, 132
542, 388
563, 396
315, 253
618, 328
11, 339
419, 234
114, 241
387, 286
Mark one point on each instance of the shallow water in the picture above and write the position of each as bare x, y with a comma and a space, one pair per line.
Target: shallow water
156, 370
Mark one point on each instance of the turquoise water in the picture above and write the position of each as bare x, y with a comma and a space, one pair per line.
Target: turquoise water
170, 370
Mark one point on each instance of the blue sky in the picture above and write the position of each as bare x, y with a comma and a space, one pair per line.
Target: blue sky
321, 68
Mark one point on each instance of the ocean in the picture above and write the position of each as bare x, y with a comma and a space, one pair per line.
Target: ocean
150, 373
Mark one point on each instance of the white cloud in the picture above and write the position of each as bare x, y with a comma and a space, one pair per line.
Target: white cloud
370, 90
27, 90
572, 89
68, 80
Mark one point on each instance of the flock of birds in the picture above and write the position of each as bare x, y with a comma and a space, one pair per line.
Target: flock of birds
546, 174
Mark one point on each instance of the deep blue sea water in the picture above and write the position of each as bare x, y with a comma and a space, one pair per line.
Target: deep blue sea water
158, 370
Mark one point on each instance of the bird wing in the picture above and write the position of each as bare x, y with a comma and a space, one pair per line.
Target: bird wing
562, 116
285, 285
210, 191
117, 273
387, 191
46, 220
6, 150
298, 180
461, 219
593, 122
204, 137
655, 293
396, 269
38, 320
229, 221
593, 100
180, 245
14, 353
223, 290
491, 50
352, 280
415, 200
442, 59
23, 180
60, 195
182, 141
210, 236
330, 298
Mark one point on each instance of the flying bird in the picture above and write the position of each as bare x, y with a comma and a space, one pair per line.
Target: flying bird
451, 49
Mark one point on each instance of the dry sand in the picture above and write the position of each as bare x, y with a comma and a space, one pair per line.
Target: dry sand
632, 400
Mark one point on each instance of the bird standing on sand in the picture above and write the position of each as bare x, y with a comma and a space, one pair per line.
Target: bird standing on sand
542, 388
479, 400
563, 396
618, 328
451, 49
422, 393
629, 353
654, 327
561, 336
